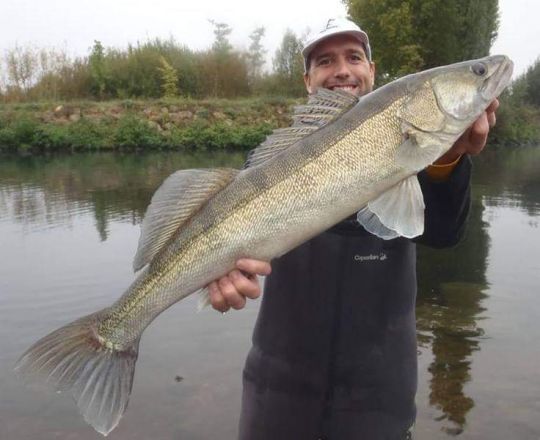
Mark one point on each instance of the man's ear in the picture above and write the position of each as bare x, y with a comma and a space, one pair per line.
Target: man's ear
373, 69
307, 82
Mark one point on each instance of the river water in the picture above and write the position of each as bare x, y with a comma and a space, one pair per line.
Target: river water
68, 231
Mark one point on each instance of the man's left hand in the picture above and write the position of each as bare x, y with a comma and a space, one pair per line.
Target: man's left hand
474, 139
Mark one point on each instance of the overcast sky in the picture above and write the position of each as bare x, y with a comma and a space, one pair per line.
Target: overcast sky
75, 24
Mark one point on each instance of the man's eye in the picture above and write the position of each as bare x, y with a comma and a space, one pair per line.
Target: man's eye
356, 58
323, 62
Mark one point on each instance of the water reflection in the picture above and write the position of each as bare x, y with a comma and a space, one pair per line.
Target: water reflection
66, 231
510, 178
451, 286
40, 192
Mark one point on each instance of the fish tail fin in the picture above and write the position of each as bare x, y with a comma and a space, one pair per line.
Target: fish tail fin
74, 358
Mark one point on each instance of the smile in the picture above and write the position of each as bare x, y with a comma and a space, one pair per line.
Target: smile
345, 87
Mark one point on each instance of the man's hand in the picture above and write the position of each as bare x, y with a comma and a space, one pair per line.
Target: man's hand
239, 284
474, 139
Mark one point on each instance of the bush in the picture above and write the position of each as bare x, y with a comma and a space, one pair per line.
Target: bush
51, 138
203, 136
17, 133
88, 134
133, 133
517, 123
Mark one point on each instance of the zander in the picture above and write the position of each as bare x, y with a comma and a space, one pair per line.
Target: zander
342, 155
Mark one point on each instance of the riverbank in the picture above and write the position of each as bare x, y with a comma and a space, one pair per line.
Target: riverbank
129, 125
185, 124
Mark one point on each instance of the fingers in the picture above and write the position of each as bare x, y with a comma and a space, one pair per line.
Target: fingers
493, 106
239, 284
490, 111
224, 295
233, 298
244, 285
478, 135
254, 267
217, 299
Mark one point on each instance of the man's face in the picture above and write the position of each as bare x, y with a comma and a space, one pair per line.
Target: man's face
339, 62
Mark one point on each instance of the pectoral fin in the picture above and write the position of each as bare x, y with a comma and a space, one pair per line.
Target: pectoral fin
418, 150
397, 212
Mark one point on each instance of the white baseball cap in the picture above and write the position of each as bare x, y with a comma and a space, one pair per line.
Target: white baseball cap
332, 27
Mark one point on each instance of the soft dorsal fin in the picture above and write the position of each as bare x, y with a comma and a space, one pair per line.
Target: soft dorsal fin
176, 200
322, 107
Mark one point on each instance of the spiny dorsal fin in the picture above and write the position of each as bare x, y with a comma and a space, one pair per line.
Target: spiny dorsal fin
176, 200
322, 107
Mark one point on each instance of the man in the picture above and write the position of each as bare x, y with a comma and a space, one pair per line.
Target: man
334, 348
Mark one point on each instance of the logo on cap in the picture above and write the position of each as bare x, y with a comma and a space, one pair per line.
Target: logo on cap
330, 24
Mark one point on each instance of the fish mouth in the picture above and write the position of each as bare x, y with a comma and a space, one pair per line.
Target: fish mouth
499, 80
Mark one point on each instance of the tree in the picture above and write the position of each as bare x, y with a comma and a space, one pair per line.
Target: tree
221, 43
169, 79
96, 61
22, 65
455, 31
255, 56
532, 80
289, 65
219, 59
410, 35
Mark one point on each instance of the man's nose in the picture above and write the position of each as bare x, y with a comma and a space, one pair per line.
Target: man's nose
342, 69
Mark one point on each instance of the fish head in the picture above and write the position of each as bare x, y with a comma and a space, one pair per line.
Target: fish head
464, 90
441, 103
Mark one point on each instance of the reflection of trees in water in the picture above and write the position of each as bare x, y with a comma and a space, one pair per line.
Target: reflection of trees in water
510, 178
451, 286
45, 192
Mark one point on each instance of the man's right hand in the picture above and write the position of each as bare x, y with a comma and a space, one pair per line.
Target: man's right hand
239, 284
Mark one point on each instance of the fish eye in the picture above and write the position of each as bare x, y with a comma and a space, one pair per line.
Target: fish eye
479, 69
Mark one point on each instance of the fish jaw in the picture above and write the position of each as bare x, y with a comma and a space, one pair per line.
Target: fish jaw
503, 76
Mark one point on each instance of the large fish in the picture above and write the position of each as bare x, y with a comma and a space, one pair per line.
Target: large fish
342, 155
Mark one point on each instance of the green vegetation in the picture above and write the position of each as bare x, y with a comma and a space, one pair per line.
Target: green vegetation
223, 93
518, 119
171, 124
152, 69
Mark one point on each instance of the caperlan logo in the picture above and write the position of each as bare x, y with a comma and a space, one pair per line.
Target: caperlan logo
381, 257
